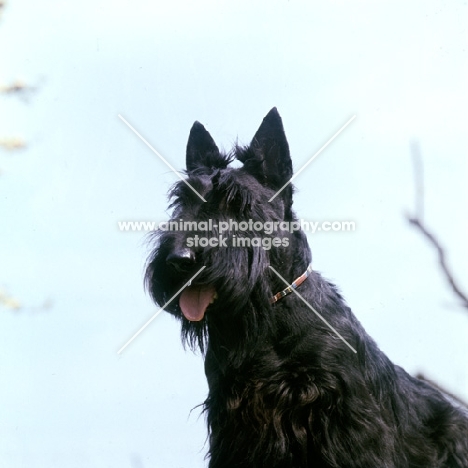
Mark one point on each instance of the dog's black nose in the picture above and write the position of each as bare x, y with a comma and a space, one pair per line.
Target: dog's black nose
181, 260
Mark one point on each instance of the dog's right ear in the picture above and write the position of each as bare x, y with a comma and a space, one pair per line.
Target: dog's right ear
201, 148
271, 149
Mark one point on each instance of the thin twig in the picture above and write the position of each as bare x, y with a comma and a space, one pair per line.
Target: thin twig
442, 259
422, 377
418, 179
417, 222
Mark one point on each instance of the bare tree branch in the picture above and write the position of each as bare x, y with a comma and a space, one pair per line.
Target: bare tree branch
418, 179
18, 88
418, 223
422, 377
442, 259
8, 301
12, 143
12, 303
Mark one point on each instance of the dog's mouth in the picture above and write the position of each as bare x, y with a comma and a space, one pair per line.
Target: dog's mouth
195, 299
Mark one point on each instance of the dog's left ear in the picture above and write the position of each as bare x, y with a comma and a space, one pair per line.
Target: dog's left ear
271, 147
201, 148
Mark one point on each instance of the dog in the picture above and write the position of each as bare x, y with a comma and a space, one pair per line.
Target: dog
294, 380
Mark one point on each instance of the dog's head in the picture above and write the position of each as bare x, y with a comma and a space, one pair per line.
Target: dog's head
225, 229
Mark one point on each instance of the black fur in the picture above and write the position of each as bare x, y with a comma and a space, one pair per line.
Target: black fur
284, 390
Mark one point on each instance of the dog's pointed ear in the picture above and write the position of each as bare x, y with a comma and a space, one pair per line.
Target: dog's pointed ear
271, 148
201, 148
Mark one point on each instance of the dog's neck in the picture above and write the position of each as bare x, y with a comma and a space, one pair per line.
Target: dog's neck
294, 285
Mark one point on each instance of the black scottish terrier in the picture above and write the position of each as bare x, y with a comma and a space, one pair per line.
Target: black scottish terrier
287, 387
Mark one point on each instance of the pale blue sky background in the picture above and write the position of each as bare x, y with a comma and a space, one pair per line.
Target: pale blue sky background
66, 398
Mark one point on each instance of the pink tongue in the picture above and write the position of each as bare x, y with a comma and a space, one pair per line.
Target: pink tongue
194, 300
